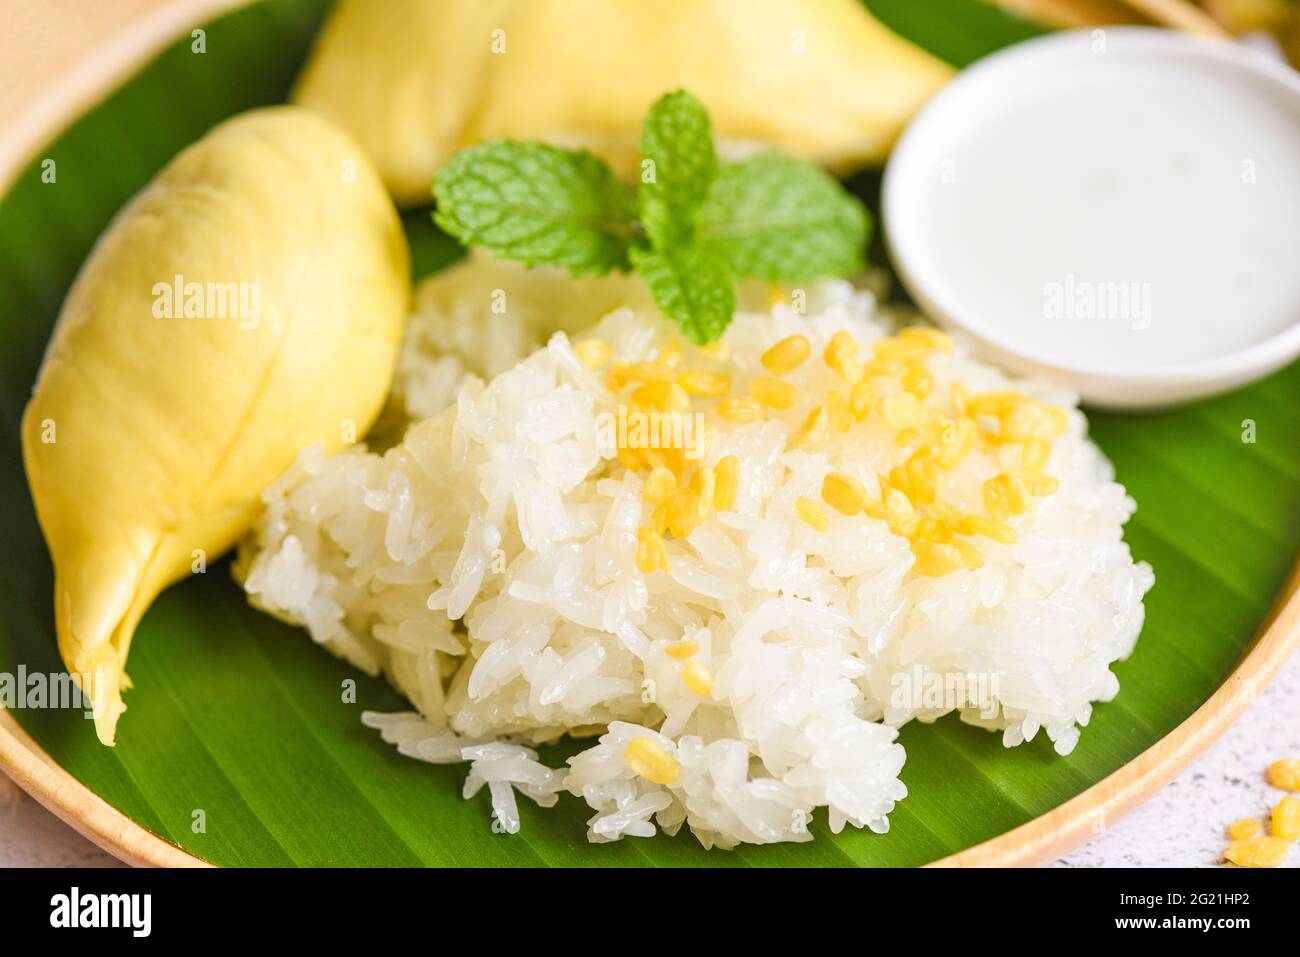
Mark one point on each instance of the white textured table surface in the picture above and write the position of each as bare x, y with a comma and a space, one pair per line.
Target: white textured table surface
1181, 826
31, 836
1184, 824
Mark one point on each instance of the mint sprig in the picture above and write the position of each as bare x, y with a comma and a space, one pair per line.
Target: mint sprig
775, 218
691, 285
691, 229
538, 204
678, 167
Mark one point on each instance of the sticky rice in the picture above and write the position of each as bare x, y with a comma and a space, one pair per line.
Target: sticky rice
838, 527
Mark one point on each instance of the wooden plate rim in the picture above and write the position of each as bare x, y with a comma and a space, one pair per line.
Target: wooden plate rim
1042, 839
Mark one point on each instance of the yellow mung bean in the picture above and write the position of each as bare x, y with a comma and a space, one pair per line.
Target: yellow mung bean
652, 762
812, 513
772, 392
844, 493
787, 355
727, 477
743, 408
682, 649
712, 384
698, 678
659, 485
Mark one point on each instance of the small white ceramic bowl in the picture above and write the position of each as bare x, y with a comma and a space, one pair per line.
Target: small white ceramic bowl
1059, 68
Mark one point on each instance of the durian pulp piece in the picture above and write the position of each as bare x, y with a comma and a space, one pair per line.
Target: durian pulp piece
415, 80
157, 419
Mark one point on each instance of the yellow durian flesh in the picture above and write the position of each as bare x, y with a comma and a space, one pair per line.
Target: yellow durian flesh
148, 440
415, 80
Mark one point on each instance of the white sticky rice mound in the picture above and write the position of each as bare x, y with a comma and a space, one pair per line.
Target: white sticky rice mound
484, 317
486, 565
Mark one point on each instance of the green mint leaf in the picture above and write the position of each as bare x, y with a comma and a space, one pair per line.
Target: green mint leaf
691, 286
678, 164
775, 218
538, 204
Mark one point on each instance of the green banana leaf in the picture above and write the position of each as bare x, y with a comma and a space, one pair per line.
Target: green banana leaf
244, 719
